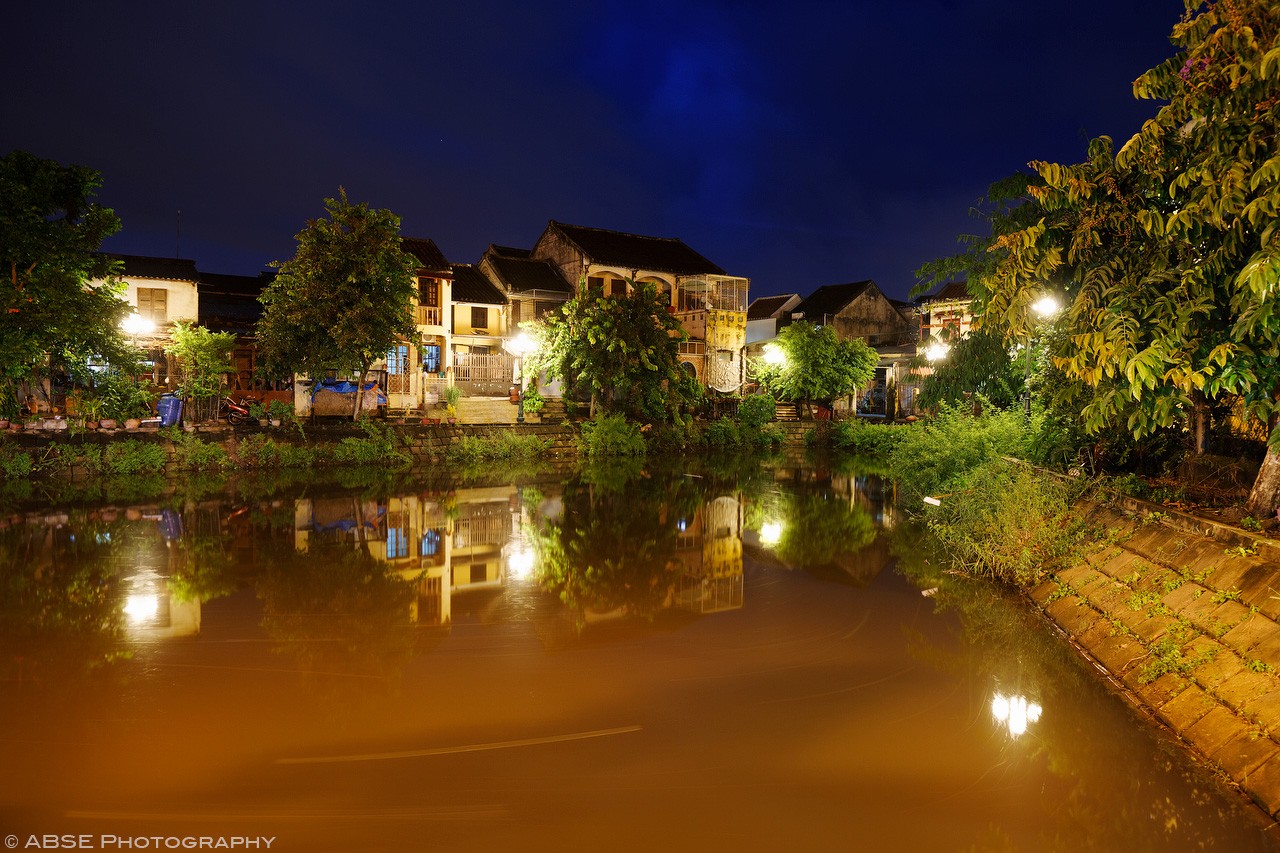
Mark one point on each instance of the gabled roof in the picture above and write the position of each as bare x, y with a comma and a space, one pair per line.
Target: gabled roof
507, 251
520, 275
470, 285
830, 299
429, 256
948, 290
769, 307
634, 251
168, 269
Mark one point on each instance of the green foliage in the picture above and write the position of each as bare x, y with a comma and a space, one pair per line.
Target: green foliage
500, 446
817, 528
279, 410
757, 410
533, 400
751, 429
982, 364
50, 233
611, 435
122, 396
623, 351
133, 457
203, 357
1006, 522
197, 454
931, 454
816, 365
1250, 523
869, 439
14, 464
377, 448
343, 300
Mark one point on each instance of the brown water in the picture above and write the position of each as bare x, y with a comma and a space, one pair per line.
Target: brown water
675, 662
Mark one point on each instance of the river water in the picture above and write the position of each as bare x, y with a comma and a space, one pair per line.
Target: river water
613, 660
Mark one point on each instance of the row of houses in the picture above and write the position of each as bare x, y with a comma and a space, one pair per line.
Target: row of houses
466, 314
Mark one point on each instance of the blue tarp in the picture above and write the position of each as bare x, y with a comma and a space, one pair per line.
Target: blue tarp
343, 387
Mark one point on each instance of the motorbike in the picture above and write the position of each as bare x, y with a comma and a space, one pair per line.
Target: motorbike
234, 412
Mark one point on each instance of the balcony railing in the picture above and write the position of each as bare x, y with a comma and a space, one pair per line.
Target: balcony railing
428, 315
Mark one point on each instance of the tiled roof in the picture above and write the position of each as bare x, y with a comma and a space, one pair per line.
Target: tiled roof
633, 251
427, 252
507, 251
470, 285
830, 299
523, 274
168, 269
767, 307
948, 290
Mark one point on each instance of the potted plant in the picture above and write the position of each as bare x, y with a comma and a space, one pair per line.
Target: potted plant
91, 410
278, 411
258, 412
451, 395
123, 399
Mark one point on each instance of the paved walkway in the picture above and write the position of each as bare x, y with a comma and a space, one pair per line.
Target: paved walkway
1183, 613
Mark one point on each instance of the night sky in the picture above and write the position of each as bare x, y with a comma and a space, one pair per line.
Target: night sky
799, 144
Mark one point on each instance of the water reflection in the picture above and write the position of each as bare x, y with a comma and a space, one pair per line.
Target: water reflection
762, 636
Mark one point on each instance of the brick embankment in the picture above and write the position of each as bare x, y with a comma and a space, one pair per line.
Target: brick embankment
1183, 613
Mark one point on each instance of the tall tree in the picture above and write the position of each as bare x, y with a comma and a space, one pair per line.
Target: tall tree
814, 364
1171, 243
622, 350
50, 232
344, 298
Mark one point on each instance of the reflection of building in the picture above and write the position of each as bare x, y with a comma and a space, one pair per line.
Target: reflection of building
446, 545
709, 547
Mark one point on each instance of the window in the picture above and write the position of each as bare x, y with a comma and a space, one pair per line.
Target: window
596, 282
153, 304
430, 546
617, 287
479, 317
429, 292
397, 543
431, 358
398, 360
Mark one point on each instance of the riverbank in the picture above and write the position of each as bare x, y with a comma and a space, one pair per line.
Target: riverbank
1182, 614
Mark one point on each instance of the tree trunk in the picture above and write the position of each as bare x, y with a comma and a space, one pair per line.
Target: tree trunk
355, 407
1264, 497
1199, 421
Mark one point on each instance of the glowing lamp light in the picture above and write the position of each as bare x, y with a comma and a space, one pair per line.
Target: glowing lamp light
774, 355
1015, 713
770, 533
936, 351
142, 608
1047, 305
521, 345
136, 324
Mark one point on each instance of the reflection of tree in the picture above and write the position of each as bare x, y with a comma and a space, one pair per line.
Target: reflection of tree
614, 550
206, 572
1097, 807
59, 605
337, 610
818, 528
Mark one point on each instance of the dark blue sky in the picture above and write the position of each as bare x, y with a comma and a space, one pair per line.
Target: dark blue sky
799, 144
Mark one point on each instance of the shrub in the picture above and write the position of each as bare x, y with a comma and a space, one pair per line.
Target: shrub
503, 445
929, 455
857, 436
1006, 521
197, 454
15, 464
133, 457
610, 435
757, 410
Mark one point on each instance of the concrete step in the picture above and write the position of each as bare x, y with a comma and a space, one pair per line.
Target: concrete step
489, 410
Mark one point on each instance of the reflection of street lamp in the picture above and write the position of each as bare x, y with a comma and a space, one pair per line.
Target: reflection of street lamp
520, 346
1046, 306
135, 324
1014, 712
770, 533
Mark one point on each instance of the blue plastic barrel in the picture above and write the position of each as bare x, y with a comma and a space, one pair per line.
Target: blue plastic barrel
170, 409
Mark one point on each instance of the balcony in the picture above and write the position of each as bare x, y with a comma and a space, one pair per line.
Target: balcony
429, 315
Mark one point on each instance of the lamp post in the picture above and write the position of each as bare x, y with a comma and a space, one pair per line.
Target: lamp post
1045, 307
520, 346
135, 324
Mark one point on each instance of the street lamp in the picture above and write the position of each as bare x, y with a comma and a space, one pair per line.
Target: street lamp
135, 324
520, 346
1045, 307
936, 351
774, 355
